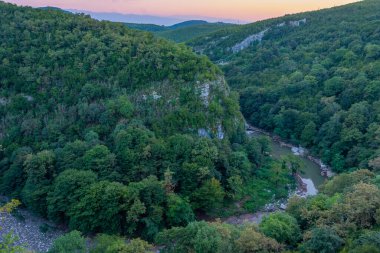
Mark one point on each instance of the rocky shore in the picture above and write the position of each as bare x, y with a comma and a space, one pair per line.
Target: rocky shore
34, 233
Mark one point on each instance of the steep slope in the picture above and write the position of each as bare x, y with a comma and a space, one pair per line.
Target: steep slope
86, 63
111, 130
312, 77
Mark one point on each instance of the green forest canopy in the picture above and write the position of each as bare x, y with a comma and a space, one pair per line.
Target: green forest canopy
316, 83
183, 31
110, 130
107, 130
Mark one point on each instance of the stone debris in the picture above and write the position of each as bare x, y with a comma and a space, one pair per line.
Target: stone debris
311, 190
246, 218
28, 230
298, 151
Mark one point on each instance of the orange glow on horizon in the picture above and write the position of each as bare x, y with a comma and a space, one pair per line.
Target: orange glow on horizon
247, 10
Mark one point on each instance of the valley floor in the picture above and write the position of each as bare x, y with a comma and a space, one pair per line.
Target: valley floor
30, 230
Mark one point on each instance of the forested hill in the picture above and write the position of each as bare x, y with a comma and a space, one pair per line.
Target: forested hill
313, 78
184, 31
107, 129
52, 61
189, 32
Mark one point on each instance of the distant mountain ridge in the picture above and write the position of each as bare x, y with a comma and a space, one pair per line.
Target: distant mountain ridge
189, 23
53, 9
148, 19
171, 28
156, 28
183, 31
188, 31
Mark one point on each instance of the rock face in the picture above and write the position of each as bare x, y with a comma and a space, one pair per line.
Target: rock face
298, 22
205, 93
220, 50
248, 41
220, 133
202, 132
259, 36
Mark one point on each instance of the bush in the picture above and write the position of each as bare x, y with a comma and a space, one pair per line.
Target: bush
72, 242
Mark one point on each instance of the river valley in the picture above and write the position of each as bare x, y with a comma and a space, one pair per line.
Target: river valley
313, 173
30, 228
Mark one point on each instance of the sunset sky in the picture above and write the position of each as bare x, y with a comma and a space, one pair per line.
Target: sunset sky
244, 10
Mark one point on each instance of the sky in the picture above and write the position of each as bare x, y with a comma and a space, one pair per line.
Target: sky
239, 10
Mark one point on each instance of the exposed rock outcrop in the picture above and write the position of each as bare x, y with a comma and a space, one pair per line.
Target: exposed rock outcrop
298, 22
248, 41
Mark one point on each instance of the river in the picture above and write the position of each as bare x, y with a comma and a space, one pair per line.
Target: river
311, 175
310, 171
312, 168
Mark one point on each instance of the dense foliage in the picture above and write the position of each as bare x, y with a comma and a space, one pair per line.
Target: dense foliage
110, 130
344, 217
187, 33
75, 242
316, 82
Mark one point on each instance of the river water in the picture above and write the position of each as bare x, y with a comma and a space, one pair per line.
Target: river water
310, 175
310, 171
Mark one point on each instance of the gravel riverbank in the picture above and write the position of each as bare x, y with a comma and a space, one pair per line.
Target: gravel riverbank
30, 230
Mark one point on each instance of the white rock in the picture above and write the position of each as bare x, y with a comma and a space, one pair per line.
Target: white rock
29, 98
298, 22
205, 93
155, 95
203, 133
248, 41
220, 134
